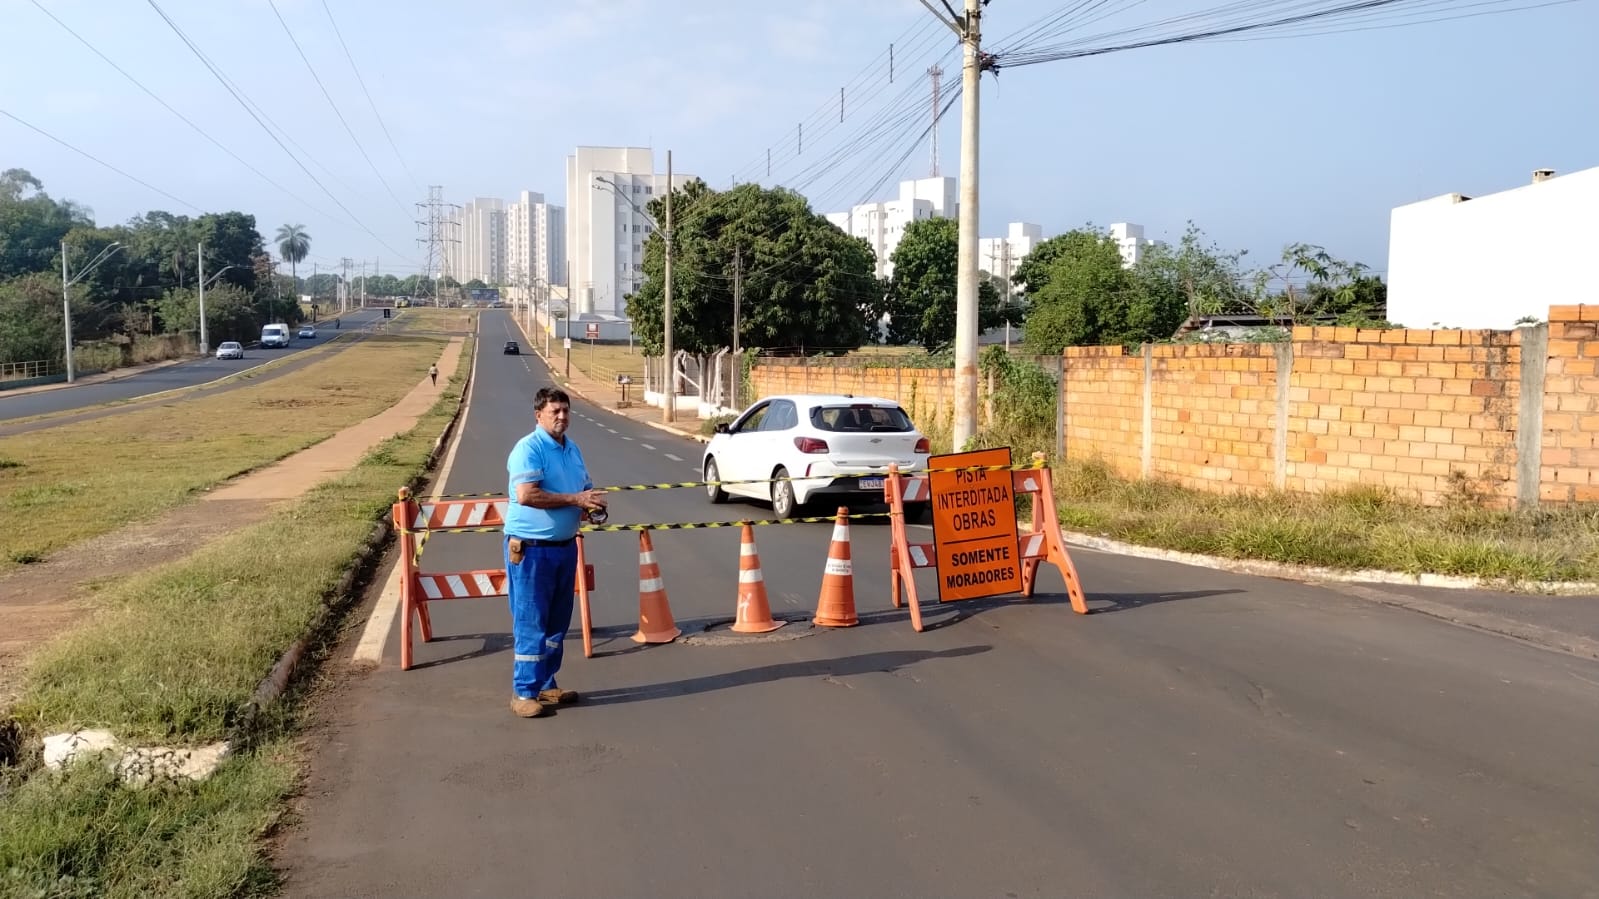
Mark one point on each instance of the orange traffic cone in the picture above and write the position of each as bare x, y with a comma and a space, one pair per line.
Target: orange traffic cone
836, 606
655, 624
754, 612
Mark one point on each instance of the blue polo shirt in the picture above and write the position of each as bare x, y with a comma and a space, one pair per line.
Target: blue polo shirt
558, 468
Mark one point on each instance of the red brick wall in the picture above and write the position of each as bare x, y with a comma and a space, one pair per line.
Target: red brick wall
1428, 413
1570, 469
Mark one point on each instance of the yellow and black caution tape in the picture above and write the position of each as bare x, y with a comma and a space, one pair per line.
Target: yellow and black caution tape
1029, 466
662, 526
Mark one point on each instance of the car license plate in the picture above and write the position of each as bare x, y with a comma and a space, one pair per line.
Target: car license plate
871, 483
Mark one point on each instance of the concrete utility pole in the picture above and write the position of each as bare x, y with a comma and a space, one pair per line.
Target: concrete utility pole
205, 342
965, 420
671, 365
738, 302
66, 295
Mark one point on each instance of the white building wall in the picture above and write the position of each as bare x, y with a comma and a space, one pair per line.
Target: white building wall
605, 233
482, 252
535, 239
999, 256
1131, 241
1483, 262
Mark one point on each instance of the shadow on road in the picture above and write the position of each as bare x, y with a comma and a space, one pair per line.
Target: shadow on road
493, 644
866, 663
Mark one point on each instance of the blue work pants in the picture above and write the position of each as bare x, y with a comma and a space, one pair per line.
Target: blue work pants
541, 589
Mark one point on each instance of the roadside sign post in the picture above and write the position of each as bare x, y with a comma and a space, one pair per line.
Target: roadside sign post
624, 381
566, 344
978, 550
592, 332
974, 525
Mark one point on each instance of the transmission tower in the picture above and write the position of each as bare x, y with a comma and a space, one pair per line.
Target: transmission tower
440, 227
936, 74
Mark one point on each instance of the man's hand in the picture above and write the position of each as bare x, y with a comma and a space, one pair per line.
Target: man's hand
592, 499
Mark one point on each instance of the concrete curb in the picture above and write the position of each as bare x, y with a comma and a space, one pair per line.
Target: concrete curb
276, 683
1311, 573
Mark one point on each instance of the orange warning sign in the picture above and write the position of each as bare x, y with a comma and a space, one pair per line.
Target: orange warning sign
974, 526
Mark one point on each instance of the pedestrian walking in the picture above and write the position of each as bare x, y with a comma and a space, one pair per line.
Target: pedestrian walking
433, 372
552, 494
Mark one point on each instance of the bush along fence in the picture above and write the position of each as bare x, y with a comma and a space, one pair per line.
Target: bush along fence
1509, 416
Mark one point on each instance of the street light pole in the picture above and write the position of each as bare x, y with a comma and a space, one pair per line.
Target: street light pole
671, 365
205, 343
66, 310
66, 296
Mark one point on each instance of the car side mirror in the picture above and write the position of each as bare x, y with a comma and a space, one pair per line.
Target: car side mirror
723, 428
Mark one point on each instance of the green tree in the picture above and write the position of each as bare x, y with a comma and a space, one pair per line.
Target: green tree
1088, 296
30, 318
1309, 283
294, 244
32, 224
920, 301
475, 284
1196, 276
806, 284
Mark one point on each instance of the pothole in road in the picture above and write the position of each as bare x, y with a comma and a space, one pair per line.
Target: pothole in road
721, 633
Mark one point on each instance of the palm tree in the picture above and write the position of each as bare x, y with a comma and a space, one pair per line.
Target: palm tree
295, 245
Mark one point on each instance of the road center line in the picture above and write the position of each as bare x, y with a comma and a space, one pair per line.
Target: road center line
647, 446
674, 458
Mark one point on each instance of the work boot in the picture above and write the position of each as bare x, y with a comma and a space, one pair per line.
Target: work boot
558, 696
528, 708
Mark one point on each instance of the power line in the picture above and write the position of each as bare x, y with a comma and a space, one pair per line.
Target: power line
1232, 22
362, 81
251, 106
97, 159
236, 96
185, 119
329, 97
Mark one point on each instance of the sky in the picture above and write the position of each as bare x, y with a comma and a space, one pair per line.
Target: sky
1262, 143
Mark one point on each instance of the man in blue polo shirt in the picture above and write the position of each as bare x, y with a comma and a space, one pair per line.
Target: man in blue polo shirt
551, 494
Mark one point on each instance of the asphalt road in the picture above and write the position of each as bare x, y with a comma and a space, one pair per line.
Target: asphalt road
1201, 733
171, 377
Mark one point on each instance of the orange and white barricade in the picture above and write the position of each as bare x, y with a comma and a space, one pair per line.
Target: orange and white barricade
1041, 544
418, 588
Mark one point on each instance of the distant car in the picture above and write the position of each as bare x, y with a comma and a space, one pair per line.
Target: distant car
832, 446
307, 331
512, 348
230, 349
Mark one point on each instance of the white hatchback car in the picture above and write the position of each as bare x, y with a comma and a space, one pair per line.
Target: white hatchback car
230, 349
831, 446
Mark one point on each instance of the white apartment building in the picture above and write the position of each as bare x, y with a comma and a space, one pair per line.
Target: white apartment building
608, 191
479, 251
535, 242
1131, 241
1484, 262
999, 256
883, 224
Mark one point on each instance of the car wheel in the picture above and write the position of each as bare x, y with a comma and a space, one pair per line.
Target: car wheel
783, 504
712, 488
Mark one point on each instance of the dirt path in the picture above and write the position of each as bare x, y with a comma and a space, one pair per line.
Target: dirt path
40, 601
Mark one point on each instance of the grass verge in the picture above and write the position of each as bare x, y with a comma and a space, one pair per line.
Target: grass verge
1357, 528
63, 485
174, 655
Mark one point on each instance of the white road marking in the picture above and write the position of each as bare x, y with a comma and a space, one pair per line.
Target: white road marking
612, 430
673, 458
647, 446
369, 651
625, 437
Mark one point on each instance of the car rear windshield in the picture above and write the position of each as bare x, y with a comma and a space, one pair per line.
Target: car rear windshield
861, 418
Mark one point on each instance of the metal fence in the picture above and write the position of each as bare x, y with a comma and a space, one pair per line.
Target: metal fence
27, 371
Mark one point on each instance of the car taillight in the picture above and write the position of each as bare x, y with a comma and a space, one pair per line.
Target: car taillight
924, 445
810, 445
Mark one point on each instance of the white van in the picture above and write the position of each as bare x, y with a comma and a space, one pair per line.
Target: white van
274, 336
